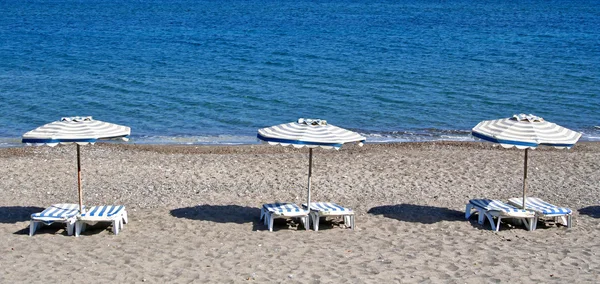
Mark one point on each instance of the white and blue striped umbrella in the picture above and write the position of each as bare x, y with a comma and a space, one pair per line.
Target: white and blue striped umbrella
78, 130
525, 132
309, 133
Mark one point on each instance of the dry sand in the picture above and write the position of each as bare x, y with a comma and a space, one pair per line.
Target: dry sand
194, 215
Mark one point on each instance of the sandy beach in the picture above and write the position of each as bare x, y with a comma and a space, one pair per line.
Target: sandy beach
194, 214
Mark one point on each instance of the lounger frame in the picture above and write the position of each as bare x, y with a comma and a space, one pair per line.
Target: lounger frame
57, 213
328, 209
271, 211
545, 210
528, 217
117, 215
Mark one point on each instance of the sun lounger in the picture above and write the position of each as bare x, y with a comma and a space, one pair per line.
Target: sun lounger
324, 209
59, 213
544, 209
108, 213
271, 211
494, 208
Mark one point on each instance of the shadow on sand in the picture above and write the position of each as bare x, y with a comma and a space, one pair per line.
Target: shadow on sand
418, 213
232, 214
222, 214
592, 211
15, 214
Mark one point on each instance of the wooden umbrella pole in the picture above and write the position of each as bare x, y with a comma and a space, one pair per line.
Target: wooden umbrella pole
309, 175
525, 178
79, 180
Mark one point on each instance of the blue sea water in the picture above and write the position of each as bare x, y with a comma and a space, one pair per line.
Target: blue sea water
213, 72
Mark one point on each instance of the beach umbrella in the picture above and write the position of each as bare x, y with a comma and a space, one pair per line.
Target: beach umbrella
525, 132
310, 133
78, 130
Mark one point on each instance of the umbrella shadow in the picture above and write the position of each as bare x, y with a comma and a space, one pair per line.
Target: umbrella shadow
592, 211
221, 214
15, 214
418, 213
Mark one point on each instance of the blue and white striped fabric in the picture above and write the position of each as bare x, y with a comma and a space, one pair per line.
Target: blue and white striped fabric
328, 207
309, 133
56, 213
540, 206
80, 130
103, 212
284, 208
496, 205
525, 131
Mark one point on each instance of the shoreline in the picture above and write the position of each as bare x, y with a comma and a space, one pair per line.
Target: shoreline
372, 138
398, 144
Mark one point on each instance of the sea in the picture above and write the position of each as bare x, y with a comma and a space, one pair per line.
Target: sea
214, 72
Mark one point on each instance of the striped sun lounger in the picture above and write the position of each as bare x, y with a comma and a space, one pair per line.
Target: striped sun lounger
544, 209
324, 209
107, 213
494, 208
57, 213
271, 211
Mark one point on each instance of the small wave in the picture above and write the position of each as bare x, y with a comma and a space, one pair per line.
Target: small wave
196, 140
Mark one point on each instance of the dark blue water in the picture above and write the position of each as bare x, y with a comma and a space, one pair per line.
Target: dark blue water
216, 71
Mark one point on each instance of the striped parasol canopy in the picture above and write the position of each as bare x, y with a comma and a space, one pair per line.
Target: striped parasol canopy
309, 133
79, 130
525, 132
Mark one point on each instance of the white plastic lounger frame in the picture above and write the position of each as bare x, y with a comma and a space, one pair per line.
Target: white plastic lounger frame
59, 213
108, 213
544, 209
323, 209
494, 208
271, 211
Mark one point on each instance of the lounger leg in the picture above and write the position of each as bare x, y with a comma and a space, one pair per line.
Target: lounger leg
306, 222
270, 217
262, 213
569, 221
498, 223
78, 226
532, 223
528, 223
316, 219
495, 227
348, 221
563, 220
116, 224
468, 211
32, 227
70, 228
481, 215
125, 219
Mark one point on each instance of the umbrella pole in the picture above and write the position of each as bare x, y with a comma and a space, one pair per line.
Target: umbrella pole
79, 180
310, 151
525, 178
